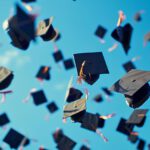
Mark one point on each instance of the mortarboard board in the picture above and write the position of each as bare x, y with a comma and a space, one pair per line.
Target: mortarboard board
98, 98
133, 138
83, 147
128, 66
14, 139
134, 85
43, 73
138, 117
68, 64
124, 128
58, 56
73, 94
141, 144
107, 91
4, 119
6, 77
28, 1
123, 35
21, 28
94, 65
39, 97
46, 31
137, 17
52, 107
100, 32
74, 108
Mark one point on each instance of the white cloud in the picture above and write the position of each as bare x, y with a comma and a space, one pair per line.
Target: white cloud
13, 57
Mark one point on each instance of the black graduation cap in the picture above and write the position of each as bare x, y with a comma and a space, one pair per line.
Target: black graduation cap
46, 31
98, 98
68, 64
124, 128
4, 119
92, 121
123, 35
14, 139
137, 17
107, 91
63, 141
52, 107
83, 147
90, 66
73, 94
134, 85
128, 66
21, 28
28, 1
6, 77
133, 138
58, 56
100, 31
141, 144
39, 97
138, 117
43, 73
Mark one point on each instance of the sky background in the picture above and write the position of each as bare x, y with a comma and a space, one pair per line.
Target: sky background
77, 22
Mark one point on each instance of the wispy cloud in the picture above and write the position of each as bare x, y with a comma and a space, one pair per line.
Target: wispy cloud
13, 57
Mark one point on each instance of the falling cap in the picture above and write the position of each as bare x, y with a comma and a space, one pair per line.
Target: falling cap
28, 1
58, 56
98, 98
52, 107
123, 35
68, 63
137, 17
134, 85
100, 32
138, 117
43, 73
6, 77
90, 65
74, 108
141, 144
128, 66
46, 31
4, 119
14, 139
83, 147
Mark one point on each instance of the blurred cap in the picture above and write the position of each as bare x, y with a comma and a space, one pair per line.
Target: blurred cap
43, 73
137, 17
83, 147
107, 91
39, 97
68, 64
28, 1
128, 66
123, 35
98, 98
4, 119
52, 107
141, 144
58, 56
100, 32
14, 139
138, 117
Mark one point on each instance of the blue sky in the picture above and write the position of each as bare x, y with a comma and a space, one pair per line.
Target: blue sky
77, 22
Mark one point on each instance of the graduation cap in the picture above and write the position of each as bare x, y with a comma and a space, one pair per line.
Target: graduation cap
98, 98
21, 28
137, 17
58, 56
138, 117
134, 85
14, 139
124, 128
28, 1
83, 147
46, 31
63, 141
4, 119
123, 35
73, 94
68, 64
90, 66
100, 32
52, 107
92, 121
6, 77
107, 91
74, 108
128, 66
43, 73
141, 144
39, 97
